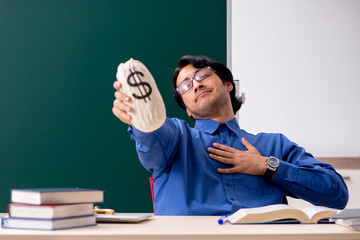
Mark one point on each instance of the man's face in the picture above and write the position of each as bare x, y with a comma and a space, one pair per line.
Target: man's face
206, 98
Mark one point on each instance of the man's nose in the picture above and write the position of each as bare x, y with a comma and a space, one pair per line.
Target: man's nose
197, 85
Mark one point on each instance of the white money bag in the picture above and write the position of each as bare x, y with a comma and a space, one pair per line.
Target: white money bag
148, 109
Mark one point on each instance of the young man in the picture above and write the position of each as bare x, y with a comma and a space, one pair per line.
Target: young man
216, 168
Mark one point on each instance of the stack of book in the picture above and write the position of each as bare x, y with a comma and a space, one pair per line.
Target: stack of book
348, 218
52, 208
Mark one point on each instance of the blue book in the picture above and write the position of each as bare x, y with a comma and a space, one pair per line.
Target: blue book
48, 224
39, 196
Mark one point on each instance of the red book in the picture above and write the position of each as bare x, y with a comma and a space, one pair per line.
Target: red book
17, 210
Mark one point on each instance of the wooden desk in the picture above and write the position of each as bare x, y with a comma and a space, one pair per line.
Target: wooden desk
190, 227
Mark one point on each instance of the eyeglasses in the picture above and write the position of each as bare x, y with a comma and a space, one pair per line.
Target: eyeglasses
199, 76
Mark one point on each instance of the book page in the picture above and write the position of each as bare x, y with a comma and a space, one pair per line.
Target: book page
316, 213
268, 214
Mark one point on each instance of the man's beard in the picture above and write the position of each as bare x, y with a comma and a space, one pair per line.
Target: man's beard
210, 107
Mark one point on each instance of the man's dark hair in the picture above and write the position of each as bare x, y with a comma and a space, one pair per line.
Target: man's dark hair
199, 62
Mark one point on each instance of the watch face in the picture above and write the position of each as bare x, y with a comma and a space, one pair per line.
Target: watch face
273, 162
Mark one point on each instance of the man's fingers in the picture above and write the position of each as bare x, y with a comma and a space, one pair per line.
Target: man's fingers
221, 159
119, 94
223, 147
121, 106
123, 116
117, 85
226, 170
219, 152
122, 96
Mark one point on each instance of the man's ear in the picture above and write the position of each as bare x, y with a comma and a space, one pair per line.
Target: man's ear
229, 86
188, 112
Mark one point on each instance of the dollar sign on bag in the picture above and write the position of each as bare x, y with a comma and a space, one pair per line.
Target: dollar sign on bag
143, 87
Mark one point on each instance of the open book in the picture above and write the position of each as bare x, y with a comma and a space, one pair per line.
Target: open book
281, 212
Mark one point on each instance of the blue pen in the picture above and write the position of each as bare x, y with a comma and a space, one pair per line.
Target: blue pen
222, 220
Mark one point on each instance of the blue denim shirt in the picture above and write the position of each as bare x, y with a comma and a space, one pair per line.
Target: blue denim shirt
186, 180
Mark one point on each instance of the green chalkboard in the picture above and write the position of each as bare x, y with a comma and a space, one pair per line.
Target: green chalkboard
58, 60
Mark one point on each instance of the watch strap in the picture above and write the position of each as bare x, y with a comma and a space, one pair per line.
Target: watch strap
269, 174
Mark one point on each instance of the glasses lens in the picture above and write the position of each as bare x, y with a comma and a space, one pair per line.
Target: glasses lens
202, 74
185, 86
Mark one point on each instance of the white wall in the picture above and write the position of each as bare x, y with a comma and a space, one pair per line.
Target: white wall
298, 62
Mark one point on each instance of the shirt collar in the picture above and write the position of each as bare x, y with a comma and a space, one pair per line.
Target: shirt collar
210, 126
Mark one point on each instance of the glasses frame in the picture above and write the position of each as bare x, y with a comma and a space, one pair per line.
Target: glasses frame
196, 78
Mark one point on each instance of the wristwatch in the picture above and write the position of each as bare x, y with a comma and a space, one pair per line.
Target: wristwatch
272, 164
